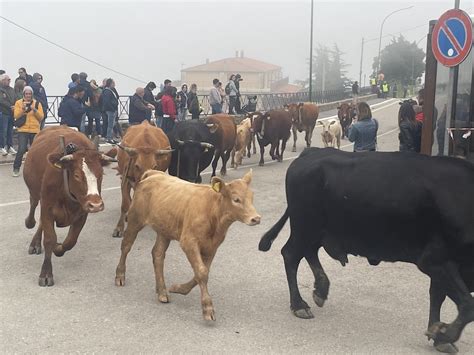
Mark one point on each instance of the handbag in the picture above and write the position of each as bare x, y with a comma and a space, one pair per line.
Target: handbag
19, 122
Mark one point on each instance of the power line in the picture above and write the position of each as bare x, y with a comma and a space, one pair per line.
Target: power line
70, 51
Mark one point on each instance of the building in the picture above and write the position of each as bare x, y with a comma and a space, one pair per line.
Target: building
258, 76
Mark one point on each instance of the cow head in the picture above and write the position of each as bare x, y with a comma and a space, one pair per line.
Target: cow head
295, 111
326, 133
143, 159
238, 199
84, 171
192, 157
259, 122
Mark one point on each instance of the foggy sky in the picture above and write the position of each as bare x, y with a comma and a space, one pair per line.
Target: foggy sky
154, 40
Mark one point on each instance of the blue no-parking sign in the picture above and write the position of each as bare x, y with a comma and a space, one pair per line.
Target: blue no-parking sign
452, 38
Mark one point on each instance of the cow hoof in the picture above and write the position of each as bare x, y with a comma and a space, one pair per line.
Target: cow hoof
304, 313
117, 233
198, 180
120, 280
318, 299
209, 315
280, 159
248, 155
223, 172
294, 149
439, 333
163, 298
34, 249
59, 250
30, 223
260, 163
46, 281
447, 348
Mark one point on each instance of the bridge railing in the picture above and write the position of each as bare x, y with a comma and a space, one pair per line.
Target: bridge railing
265, 102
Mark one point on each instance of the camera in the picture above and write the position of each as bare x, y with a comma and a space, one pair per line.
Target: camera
28, 107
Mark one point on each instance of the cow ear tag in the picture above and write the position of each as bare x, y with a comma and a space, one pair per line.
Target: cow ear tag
57, 165
216, 186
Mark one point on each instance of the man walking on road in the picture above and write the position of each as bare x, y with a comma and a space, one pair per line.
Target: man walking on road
215, 99
355, 92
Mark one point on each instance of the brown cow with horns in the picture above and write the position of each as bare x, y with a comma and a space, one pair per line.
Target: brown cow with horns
303, 118
143, 147
68, 184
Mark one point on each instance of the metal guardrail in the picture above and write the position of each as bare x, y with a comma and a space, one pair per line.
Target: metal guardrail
265, 102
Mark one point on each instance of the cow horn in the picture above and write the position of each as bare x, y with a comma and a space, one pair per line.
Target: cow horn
128, 150
107, 158
180, 142
164, 151
67, 157
210, 125
206, 145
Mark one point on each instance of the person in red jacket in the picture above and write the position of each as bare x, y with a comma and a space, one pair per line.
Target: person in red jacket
169, 110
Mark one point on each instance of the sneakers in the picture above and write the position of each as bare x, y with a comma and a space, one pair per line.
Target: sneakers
3, 151
12, 151
111, 141
16, 173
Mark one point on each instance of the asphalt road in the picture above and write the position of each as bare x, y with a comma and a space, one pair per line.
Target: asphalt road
370, 309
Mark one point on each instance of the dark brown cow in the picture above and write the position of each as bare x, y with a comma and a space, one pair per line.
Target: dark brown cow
303, 116
225, 131
143, 147
344, 112
68, 186
270, 128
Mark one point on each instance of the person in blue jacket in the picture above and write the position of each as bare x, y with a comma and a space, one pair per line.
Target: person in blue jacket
363, 130
71, 108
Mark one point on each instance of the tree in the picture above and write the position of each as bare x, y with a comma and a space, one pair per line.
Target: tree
328, 69
401, 61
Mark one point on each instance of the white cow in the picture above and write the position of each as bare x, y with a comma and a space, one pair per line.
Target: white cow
331, 133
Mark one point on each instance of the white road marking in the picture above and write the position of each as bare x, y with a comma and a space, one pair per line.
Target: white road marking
14, 203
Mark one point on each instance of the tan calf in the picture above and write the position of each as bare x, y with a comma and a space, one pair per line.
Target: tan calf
331, 133
197, 216
242, 142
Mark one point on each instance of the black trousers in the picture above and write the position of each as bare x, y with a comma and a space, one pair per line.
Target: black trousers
24, 139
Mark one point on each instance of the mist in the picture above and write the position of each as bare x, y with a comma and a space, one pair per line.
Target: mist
152, 41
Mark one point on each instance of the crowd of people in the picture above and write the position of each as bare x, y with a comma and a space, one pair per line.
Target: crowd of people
93, 109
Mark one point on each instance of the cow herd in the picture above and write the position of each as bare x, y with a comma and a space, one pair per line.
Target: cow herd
423, 220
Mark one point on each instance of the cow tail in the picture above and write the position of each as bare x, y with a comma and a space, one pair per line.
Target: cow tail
270, 236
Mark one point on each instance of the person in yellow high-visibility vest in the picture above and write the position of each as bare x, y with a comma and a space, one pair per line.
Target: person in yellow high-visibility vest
373, 84
385, 89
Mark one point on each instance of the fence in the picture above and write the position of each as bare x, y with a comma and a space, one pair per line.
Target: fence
265, 102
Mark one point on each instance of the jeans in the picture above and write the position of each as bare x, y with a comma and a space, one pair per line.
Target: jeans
24, 138
111, 115
216, 108
232, 102
2, 140
7, 131
159, 121
182, 113
91, 117
168, 124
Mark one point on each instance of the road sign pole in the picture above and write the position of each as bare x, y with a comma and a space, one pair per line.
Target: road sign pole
452, 93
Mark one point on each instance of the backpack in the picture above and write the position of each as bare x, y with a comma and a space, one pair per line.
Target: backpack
227, 88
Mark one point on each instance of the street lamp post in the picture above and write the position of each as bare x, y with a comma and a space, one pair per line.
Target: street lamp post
380, 36
311, 55
413, 64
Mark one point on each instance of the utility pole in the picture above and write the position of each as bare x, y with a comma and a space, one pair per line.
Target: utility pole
311, 55
361, 59
323, 77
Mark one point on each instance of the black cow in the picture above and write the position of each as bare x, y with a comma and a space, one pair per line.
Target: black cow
395, 207
271, 128
193, 145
